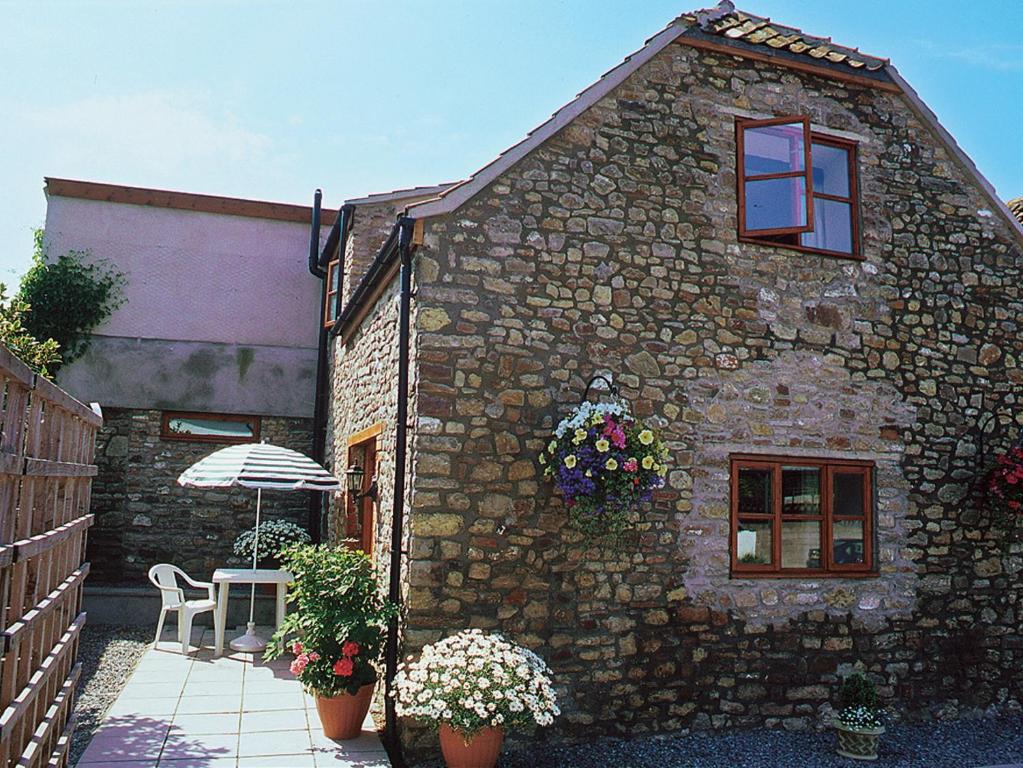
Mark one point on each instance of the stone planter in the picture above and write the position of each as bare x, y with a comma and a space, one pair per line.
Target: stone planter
857, 743
481, 750
342, 716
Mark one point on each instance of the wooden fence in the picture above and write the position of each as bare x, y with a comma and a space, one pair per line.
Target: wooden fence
47, 446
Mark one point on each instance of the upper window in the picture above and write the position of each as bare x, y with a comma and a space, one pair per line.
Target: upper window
796, 188
798, 517
333, 285
210, 427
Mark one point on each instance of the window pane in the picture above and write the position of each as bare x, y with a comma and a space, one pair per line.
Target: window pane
848, 542
801, 544
753, 544
800, 491
832, 226
776, 203
848, 494
755, 492
335, 277
774, 149
211, 427
830, 170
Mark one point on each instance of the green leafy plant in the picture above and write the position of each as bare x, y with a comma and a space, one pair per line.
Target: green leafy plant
336, 626
38, 355
860, 707
69, 297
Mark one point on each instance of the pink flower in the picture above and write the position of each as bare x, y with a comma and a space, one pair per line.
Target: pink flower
343, 667
296, 648
299, 664
631, 465
350, 649
314, 656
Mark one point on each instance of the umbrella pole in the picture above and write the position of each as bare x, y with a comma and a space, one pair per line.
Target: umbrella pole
255, 559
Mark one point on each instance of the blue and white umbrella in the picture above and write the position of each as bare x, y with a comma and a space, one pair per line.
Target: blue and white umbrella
264, 467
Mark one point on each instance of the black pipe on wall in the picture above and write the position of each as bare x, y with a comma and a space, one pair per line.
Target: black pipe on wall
405, 227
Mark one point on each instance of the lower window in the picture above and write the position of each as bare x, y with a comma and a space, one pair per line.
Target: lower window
210, 427
801, 516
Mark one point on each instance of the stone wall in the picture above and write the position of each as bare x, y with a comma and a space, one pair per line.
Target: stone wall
612, 248
144, 517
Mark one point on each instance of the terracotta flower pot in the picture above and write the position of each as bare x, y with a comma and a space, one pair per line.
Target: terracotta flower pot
481, 750
342, 716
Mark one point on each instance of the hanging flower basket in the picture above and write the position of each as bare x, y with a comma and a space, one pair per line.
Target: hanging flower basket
604, 462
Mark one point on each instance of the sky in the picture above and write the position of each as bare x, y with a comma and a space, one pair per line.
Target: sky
270, 100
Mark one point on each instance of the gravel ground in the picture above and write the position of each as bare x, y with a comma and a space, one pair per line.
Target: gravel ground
108, 655
954, 744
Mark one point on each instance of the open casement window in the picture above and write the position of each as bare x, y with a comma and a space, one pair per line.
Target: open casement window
831, 223
775, 176
801, 517
333, 285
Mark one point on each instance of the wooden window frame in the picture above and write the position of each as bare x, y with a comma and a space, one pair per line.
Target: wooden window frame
828, 469
330, 304
761, 237
363, 520
743, 125
167, 434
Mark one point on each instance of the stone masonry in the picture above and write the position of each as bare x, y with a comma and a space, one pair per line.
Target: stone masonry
144, 517
612, 249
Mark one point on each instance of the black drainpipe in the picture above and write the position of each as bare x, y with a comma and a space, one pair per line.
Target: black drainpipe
339, 231
405, 227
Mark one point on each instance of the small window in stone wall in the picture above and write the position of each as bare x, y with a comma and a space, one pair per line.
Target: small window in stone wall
332, 287
801, 517
210, 427
797, 189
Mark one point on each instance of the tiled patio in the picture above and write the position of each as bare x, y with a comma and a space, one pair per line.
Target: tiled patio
233, 712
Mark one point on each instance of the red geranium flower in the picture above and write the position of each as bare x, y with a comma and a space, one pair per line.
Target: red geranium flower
350, 649
343, 667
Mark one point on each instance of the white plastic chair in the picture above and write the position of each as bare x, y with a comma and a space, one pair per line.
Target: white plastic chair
165, 577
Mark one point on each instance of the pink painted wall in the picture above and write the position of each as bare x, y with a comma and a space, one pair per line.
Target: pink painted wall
196, 276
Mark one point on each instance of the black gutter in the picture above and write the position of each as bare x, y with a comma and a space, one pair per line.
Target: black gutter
335, 240
402, 235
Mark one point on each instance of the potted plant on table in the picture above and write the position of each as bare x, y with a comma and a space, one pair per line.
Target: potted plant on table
859, 725
473, 687
274, 537
335, 631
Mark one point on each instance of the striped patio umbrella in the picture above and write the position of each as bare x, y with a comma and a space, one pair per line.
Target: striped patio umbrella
264, 467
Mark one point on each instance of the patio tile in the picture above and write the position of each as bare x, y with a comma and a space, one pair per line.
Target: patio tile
270, 685
356, 761
285, 720
198, 725
131, 763
260, 702
180, 747
143, 688
366, 742
199, 705
126, 739
198, 762
302, 760
154, 707
198, 686
268, 743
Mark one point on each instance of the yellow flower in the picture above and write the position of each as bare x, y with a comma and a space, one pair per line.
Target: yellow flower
662, 469
588, 473
646, 437
603, 445
570, 461
543, 459
580, 435
596, 419
648, 462
553, 446
611, 464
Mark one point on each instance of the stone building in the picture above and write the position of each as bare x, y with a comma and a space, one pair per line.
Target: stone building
818, 323
189, 362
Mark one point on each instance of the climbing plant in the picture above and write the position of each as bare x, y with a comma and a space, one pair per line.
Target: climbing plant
16, 337
68, 297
